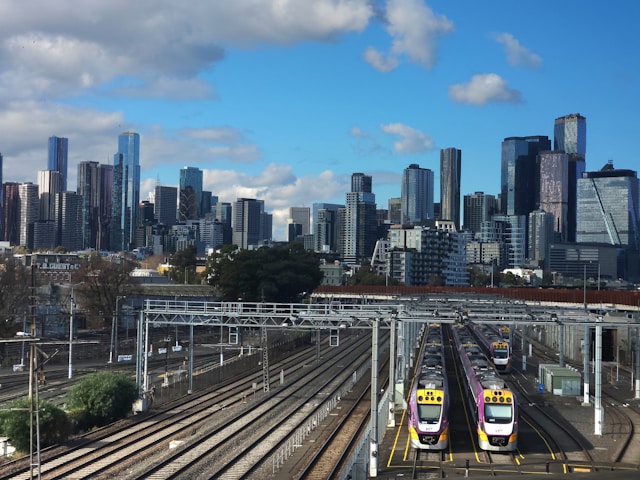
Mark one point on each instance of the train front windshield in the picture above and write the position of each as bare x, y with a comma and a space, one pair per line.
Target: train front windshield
429, 413
501, 353
497, 413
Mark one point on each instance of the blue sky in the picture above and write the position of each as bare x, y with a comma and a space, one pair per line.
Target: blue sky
283, 100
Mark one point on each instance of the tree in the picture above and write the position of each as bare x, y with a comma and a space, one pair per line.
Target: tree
15, 424
270, 274
183, 265
15, 281
366, 276
101, 282
102, 398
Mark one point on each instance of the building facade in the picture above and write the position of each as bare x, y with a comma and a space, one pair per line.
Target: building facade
554, 190
450, 171
478, 208
416, 195
58, 159
190, 193
126, 192
360, 228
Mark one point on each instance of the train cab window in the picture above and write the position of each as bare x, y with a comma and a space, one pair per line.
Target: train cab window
496, 413
429, 413
500, 353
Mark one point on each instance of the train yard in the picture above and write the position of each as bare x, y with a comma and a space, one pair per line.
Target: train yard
471, 408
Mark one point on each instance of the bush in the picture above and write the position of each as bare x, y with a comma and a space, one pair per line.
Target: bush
101, 398
15, 424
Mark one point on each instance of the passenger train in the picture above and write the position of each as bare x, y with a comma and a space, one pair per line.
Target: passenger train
496, 346
493, 405
429, 399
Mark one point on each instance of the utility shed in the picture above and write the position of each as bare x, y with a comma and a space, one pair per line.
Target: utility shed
563, 381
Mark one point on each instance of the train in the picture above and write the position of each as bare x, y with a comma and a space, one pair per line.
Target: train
495, 344
429, 398
492, 403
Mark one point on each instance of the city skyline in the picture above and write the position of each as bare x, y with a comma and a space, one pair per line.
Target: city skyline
287, 111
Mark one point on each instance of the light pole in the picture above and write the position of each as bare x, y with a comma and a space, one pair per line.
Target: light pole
72, 311
114, 330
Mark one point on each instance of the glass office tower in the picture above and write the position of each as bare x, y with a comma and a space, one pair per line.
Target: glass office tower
190, 200
126, 192
58, 159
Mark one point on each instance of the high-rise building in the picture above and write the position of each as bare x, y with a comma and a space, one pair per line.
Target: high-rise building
541, 234
325, 226
395, 210
95, 182
609, 208
360, 220
126, 192
165, 204
58, 159
478, 208
224, 215
251, 227
11, 212
570, 136
511, 231
416, 195
2, 225
68, 225
29, 212
299, 222
48, 187
190, 202
518, 175
450, 169
554, 192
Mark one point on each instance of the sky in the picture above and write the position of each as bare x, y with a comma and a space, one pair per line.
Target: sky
282, 100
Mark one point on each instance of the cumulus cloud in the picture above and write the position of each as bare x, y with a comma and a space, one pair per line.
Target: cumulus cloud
517, 54
54, 49
484, 88
415, 30
358, 132
411, 140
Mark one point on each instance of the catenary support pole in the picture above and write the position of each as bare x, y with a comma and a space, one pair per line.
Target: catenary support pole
373, 440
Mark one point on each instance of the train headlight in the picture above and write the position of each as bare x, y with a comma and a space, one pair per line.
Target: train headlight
509, 400
501, 399
495, 399
487, 399
439, 399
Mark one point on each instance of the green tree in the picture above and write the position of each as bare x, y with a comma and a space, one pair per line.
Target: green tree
102, 398
15, 281
270, 274
183, 265
15, 424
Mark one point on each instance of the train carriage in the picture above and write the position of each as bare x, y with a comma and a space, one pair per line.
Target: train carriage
493, 405
429, 398
495, 345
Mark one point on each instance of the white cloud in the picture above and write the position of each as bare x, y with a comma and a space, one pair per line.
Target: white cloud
516, 53
484, 88
358, 132
380, 61
150, 48
411, 140
415, 30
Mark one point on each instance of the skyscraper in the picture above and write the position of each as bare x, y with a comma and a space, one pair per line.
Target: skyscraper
608, 208
360, 220
554, 193
126, 192
541, 233
68, 225
478, 208
518, 175
570, 136
48, 187
190, 201
29, 212
58, 159
165, 204
249, 223
416, 195
299, 222
11, 212
95, 186
325, 226
450, 169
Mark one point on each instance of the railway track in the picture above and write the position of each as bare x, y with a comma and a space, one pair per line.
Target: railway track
105, 449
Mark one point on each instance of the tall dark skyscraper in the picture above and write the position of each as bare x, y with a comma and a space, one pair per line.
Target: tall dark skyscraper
450, 169
519, 180
11, 213
570, 136
58, 159
94, 184
165, 204
554, 189
478, 208
126, 192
